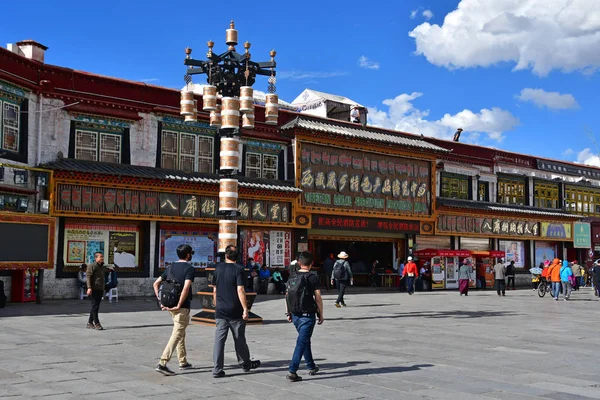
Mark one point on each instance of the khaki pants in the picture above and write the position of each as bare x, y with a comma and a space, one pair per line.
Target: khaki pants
181, 319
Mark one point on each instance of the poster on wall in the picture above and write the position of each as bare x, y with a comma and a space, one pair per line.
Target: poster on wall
273, 248
544, 251
118, 243
203, 242
515, 251
280, 249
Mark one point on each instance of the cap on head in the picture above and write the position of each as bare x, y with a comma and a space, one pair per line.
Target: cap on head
409, 258
342, 254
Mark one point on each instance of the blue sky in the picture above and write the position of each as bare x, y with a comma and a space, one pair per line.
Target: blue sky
517, 74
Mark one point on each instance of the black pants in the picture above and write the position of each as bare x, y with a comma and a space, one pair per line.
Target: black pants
509, 280
500, 286
96, 299
341, 287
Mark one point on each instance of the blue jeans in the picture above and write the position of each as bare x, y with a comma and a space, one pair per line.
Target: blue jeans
555, 289
410, 284
305, 325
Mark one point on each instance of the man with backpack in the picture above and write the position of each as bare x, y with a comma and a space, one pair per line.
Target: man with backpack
231, 312
303, 306
173, 290
342, 274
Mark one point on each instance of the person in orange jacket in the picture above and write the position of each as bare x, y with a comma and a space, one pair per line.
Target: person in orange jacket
554, 274
411, 272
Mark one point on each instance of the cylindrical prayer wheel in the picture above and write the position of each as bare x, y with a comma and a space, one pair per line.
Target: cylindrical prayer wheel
194, 116
246, 99
230, 112
209, 98
248, 121
187, 102
271, 109
227, 234
228, 195
215, 117
230, 154
223, 243
231, 35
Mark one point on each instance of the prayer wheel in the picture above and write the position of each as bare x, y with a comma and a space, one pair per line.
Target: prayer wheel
228, 195
209, 98
246, 99
231, 35
194, 116
248, 121
187, 102
230, 112
229, 157
227, 234
271, 109
215, 117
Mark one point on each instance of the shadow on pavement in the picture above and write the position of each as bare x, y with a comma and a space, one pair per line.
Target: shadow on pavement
66, 308
433, 314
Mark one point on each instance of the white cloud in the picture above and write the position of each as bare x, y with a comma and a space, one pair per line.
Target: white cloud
413, 14
541, 35
568, 152
299, 75
587, 157
364, 62
427, 14
402, 115
552, 100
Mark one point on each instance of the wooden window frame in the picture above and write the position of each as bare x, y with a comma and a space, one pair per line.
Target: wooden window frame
4, 104
546, 193
198, 158
518, 191
582, 201
99, 151
262, 169
446, 190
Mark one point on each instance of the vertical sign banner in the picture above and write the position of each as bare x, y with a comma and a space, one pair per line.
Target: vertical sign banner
582, 237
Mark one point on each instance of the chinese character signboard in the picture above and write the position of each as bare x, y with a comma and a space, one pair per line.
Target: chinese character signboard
281, 246
364, 224
355, 180
582, 238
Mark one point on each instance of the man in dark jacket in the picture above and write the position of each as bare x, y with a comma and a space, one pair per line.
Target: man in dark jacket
328, 269
95, 284
341, 275
510, 275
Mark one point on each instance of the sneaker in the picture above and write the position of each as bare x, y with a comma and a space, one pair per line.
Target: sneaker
89, 326
314, 370
343, 304
98, 327
185, 366
252, 365
337, 305
163, 369
293, 377
556, 298
221, 374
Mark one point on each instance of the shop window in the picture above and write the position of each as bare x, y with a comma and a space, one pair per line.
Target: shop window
582, 201
260, 165
455, 187
483, 191
187, 152
511, 191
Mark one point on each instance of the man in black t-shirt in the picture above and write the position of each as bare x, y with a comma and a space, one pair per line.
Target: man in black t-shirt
304, 322
183, 272
231, 312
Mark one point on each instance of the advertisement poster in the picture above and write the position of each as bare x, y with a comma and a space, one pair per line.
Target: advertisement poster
204, 244
118, 243
515, 251
543, 252
280, 249
256, 245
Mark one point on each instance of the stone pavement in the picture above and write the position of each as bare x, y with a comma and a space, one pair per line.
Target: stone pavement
386, 345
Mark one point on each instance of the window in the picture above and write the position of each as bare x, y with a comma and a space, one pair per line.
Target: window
483, 191
260, 165
9, 126
511, 191
97, 146
187, 152
582, 201
455, 187
546, 195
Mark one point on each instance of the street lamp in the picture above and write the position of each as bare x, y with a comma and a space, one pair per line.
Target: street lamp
230, 75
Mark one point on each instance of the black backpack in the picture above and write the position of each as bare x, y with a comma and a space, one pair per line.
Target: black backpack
296, 293
170, 290
339, 270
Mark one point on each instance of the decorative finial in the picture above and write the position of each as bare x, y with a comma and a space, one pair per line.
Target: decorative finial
231, 47
247, 46
273, 53
232, 25
211, 44
188, 52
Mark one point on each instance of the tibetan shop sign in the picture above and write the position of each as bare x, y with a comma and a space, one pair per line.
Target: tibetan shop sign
364, 224
487, 226
553, 230
582, 238
357, 180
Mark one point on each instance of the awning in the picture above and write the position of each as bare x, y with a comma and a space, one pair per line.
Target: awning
428, 253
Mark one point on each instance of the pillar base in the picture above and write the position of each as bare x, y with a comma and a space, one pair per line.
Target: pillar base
207, 315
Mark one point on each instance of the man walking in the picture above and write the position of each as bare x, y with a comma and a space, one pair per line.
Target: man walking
328, 269
411, 273
341, 274
510, 274
303, 305
231, 313
500, 276
95, 289
183, 273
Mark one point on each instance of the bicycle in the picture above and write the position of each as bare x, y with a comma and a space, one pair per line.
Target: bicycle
544, 287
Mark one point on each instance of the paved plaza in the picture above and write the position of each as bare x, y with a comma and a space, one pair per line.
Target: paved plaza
386, 345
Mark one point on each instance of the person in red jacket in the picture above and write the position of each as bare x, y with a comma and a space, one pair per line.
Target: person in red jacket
410, 273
